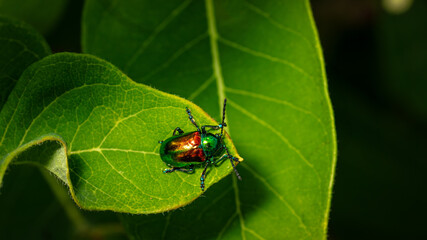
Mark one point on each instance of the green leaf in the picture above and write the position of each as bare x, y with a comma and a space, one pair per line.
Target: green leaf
41, 14
20, 46
265, 57
98, 131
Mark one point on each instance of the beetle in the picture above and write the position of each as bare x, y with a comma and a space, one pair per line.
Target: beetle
184, 151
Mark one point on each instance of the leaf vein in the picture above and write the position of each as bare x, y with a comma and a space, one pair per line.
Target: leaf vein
98, 189
280, 197
275, 23
213, 37
23, 45
227, 224
86, 120
174, 56
254, 233
22, 93
272, 129
55, 100
213, 202
127, 179
270, 99
173, 14
126, 118
217, 71
279, 101
202, 87
112, 149
265, 56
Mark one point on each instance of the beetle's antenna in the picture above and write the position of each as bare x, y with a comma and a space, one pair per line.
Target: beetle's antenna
190, 116
223, 117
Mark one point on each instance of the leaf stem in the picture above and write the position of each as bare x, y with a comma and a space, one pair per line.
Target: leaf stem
64, 199
83, 228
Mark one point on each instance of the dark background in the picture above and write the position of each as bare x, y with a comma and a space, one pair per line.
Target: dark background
376, 63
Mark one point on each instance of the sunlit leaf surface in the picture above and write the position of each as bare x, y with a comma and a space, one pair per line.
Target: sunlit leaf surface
265, 57
98, 131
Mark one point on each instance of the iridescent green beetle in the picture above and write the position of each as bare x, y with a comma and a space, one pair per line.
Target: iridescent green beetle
183, 151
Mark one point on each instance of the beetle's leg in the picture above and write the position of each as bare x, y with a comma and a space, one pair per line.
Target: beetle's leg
187, 170
160, 142
179, 131
214, 127
203, 177
190, 116
231, 161
220, 160
209, 126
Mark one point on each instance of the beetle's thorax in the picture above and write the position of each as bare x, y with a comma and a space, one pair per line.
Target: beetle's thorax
211, 144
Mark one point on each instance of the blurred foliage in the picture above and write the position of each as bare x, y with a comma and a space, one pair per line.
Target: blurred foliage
376, 66
402, 51
29, 210
22, 47
43, 15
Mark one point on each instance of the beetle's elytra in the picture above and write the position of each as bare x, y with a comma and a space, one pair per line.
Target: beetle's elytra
183, 151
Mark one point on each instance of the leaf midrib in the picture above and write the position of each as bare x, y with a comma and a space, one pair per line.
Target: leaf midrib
213, 39
216, 65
